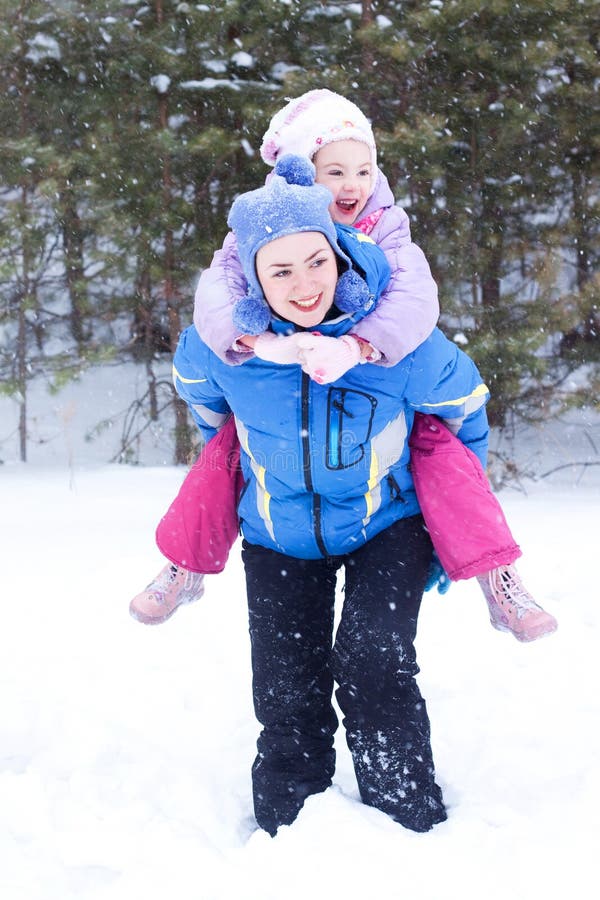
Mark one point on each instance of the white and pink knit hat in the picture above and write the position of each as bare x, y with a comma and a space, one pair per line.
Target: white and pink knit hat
309, 122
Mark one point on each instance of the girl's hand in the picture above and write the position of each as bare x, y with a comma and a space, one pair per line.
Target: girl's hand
281, 349
325, 359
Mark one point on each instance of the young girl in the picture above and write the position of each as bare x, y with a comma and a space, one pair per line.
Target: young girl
318, 499
336, 136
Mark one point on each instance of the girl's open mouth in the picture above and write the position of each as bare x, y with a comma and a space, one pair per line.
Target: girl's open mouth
347, 206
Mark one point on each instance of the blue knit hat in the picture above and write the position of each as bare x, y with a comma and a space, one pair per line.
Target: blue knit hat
289, 203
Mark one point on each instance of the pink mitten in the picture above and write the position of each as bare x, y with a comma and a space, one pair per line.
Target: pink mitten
275, 348
326, 359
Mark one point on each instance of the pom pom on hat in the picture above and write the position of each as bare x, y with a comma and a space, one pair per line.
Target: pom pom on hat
313, 120
289, 203
296, 170
251, 314
352, 293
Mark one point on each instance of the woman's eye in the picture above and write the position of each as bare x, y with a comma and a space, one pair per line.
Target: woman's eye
283, 273
319, 262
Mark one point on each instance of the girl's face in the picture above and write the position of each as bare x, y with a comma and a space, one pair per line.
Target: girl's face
345, 168
298, 274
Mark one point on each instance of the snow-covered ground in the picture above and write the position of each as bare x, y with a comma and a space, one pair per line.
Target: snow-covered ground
125, 750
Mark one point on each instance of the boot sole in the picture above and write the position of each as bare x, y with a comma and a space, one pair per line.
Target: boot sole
152, 620
146, 619
525, 637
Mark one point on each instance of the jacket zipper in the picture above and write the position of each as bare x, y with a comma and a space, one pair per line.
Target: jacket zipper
335, 429
316, 499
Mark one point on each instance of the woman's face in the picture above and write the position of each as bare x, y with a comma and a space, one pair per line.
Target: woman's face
298, 274
345, 168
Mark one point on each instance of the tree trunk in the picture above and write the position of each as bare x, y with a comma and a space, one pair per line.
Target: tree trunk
19, 79
578, 193
25, 303
492, 249
183, 445
369, 57
22, 381
74, 268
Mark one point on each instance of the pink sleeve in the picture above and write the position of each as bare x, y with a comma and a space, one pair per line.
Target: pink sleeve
408, 309
453, 490
218, 289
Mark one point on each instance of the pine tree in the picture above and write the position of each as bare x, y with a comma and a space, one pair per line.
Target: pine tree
469, 134
29, 253
129, 129
574, 107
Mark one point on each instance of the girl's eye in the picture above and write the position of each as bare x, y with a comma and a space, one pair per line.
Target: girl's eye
365, 172
335, 172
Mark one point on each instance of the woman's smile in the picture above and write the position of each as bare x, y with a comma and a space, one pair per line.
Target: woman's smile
309, 304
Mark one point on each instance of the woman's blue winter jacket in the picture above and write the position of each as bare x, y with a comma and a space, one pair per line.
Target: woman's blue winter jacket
327, 467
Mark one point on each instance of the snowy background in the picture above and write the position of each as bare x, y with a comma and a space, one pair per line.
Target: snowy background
125, 750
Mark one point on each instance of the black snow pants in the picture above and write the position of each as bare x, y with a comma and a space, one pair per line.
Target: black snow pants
373, 661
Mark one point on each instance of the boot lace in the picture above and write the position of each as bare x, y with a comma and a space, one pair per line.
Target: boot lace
513, 590
165, 578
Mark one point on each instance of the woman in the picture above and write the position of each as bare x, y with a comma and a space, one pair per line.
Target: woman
328, 486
